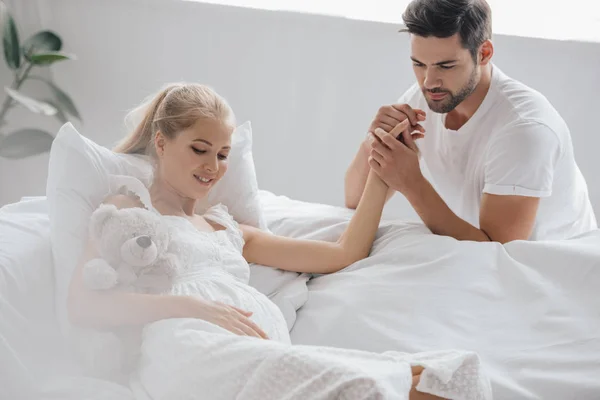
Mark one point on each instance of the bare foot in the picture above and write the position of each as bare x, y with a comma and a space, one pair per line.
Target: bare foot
414, 393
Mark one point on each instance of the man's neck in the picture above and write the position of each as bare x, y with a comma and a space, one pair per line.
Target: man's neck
456, 118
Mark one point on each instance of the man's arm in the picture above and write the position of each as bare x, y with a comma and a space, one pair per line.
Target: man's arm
503, 218
386, 119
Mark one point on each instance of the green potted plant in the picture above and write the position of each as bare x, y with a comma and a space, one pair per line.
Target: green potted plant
40, 50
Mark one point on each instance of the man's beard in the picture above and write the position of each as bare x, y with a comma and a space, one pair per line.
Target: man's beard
451, 101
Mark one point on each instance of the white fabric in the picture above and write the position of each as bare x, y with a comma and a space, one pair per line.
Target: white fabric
216, 358
31, 348
195, 353
34, 359
78, 180
24, 250
289, 290
70, 387
211, 266
285, 288
26, 314
516, 143
528, 309
205, 361
183, 358
77, 184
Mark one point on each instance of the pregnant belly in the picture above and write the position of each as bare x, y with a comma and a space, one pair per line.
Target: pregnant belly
228, 290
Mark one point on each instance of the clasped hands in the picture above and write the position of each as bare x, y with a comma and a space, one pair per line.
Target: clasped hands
393, 153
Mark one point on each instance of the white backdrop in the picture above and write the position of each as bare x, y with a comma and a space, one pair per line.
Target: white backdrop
310, 84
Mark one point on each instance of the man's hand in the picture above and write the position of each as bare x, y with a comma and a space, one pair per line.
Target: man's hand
389, 117
386, 119
396, 163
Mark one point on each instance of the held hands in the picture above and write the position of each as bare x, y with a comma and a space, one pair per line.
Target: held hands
397, 164
228, 317
389, 117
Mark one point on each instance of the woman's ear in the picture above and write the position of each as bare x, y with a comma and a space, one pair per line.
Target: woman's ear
160, 141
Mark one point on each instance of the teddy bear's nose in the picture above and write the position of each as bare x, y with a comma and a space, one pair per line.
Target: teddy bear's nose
144, 242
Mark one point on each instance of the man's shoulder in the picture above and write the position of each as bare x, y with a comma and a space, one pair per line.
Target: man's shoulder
524, 104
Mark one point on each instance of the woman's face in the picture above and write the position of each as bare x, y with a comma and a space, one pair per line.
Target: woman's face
196, 159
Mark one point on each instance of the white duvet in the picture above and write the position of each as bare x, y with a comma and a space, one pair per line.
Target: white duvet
529, 310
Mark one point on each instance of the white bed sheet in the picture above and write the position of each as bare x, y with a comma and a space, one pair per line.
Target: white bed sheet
34, 361
530, 310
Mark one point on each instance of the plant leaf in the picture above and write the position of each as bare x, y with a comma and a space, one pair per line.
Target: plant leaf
25, 143
60, 114
63, 99
40, 42
10, 40
50, 57
33, 105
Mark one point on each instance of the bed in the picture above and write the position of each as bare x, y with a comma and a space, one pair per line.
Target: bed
530, 310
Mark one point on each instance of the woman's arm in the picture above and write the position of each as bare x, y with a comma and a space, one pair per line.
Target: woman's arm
105, 309
108, 309
315, 256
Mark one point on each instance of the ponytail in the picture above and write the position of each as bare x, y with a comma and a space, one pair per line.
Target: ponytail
141, 139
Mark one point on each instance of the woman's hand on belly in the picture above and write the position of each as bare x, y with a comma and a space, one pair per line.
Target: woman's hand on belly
227, 317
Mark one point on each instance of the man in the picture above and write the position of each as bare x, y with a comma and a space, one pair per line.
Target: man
499, 155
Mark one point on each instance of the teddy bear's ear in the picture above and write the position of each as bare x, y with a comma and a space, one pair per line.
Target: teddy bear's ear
99, 219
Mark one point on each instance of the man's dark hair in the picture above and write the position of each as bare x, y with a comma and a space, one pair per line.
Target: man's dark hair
471, 19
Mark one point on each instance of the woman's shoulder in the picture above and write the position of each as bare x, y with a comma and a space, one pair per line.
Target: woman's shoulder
220, 213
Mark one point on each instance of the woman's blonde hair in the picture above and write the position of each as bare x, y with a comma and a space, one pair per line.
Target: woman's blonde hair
175, 108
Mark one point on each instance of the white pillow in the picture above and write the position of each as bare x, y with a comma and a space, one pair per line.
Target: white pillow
79, 178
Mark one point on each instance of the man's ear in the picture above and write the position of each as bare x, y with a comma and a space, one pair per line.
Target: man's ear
486, 51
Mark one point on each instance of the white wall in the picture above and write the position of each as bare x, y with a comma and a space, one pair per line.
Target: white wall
310, 84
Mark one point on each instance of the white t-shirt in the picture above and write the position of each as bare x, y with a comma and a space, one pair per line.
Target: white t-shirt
516, 143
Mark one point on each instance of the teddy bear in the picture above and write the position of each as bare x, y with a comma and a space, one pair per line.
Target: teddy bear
132, 244
132, 256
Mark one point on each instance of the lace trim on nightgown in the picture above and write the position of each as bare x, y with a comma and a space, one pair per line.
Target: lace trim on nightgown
130, 186
219, 213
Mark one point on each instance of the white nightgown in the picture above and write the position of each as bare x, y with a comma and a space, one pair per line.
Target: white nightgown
212, 266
